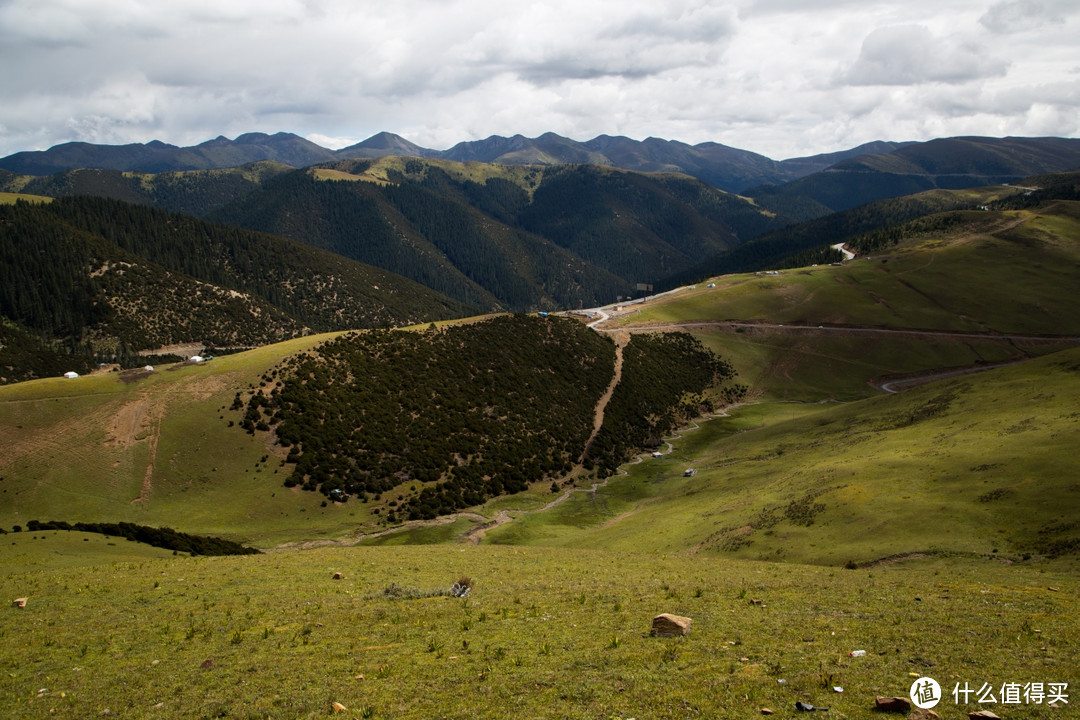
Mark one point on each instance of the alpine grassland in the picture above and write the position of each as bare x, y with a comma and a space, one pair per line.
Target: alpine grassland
977, 466
561, 633
849, 477
151, 447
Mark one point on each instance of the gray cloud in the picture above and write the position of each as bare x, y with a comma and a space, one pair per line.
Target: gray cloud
775, 76
1015, 16
911, 55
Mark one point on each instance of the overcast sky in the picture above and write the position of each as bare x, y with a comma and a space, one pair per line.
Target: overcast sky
784, 78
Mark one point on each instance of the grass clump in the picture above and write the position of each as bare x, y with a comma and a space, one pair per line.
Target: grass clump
459, 589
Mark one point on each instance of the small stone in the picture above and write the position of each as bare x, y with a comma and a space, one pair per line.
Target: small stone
892, 704
766, 711
338, 707
19, 602
923, 714
339, 576
983, 714
744, 659
668, 625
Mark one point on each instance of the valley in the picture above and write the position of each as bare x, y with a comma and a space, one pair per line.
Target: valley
856, 486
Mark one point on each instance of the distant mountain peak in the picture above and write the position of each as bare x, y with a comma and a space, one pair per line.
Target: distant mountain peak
381, 144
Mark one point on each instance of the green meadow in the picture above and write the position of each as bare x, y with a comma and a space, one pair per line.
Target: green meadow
1011, 274
547, 632
156, 448
978, 466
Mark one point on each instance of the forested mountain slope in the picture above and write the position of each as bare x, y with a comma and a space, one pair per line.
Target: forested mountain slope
192, 192
496, 236
102, 280
454, 416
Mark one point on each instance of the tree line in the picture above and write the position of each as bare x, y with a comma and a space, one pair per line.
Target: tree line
162, 537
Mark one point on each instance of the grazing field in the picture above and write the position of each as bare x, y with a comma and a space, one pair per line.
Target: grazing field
543, 633
978, 466
1013, 273
154, 448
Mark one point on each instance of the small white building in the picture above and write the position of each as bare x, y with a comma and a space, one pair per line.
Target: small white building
71, 375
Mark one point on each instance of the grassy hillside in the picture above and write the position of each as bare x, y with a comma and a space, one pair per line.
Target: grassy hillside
155, 449
10, 198
779, 249
543, 633
973, 466
979, 272
413, 425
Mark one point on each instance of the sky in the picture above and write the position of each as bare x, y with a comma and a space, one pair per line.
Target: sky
784, 78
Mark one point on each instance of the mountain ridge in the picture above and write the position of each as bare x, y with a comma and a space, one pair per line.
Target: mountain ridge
725, 167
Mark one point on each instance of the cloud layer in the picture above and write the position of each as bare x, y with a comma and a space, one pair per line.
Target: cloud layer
766, 75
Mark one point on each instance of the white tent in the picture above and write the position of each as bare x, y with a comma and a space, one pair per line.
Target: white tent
71, 375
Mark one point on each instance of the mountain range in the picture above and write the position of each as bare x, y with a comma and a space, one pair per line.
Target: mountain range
724, 167
802, 188
512, 224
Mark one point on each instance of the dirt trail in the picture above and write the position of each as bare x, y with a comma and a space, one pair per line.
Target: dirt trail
312, 544
501, 517
621, 339
135, 422
148, 476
